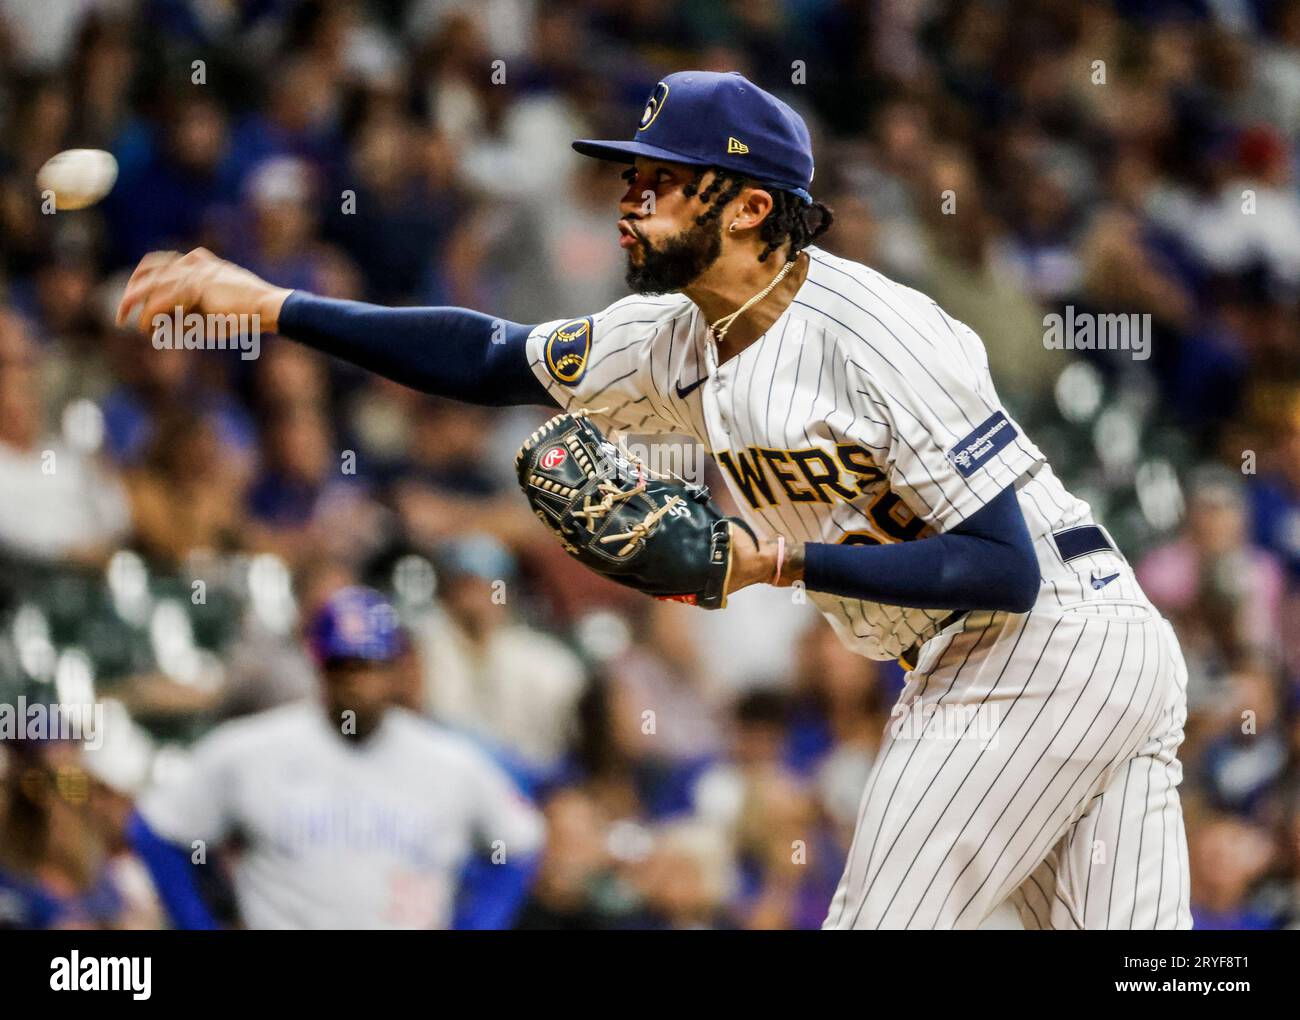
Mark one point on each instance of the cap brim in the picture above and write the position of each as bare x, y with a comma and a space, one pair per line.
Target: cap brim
627, 152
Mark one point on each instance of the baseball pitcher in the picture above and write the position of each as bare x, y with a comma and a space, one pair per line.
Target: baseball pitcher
1032, 755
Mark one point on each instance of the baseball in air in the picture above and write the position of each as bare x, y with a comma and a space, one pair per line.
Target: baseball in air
78, 177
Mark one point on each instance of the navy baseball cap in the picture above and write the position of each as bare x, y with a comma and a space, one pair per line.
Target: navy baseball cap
709, 118
356, 623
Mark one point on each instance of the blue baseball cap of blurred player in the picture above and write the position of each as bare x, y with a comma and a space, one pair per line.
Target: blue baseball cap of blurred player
710, 118
356, 623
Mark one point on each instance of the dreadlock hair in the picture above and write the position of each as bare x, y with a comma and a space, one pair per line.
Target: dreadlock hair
792, 223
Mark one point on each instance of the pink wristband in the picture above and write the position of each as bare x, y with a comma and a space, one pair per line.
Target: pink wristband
780, 558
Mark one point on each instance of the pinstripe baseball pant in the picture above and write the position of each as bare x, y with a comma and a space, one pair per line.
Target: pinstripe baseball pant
1032, 759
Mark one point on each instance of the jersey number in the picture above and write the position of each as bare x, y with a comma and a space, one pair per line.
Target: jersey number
893, 517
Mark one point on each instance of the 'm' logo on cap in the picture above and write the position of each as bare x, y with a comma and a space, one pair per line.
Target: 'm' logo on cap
653, 105
735, 145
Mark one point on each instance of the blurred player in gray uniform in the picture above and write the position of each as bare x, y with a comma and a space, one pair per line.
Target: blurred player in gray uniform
348, 811
1032, 755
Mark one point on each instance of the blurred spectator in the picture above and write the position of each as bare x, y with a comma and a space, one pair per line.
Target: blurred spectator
788, 866
156, 383
964, 278
1286, 887
840, 716
54, 862
489, 672
172, 181
1228, 857
1244, 761
576, 887
443, 478
1253, 216
1276, 497
299, 123
686, 880
405, 204
184, 498
758, 733
277, 233
309, 498
663, 711
60, 503
1277, 70
1222, 592
119, 769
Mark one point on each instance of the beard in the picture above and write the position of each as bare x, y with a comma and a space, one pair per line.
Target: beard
679, 260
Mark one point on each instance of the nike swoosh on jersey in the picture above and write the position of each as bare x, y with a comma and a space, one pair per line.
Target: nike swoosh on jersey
684, 392
1100, 582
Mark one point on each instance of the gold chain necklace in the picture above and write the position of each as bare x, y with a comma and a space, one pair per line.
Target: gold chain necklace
719, 329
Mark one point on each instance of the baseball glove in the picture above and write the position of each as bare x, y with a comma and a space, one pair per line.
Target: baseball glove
662, 536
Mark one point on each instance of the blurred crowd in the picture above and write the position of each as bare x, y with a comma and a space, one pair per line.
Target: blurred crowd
1011, 159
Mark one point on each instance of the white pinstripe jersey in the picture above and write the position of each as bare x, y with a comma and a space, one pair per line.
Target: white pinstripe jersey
865, 414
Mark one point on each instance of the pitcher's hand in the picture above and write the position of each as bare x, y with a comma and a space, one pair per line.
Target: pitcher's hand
198, 282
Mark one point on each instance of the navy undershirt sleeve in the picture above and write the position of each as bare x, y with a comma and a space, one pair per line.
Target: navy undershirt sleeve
986, 562
450, 352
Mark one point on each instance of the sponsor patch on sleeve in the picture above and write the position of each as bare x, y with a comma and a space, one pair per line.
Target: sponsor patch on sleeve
567, 350
973, 451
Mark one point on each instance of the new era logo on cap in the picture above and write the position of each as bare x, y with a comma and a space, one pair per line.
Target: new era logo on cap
737, 146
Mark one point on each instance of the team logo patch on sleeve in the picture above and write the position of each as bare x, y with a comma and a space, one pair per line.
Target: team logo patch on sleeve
991, 435
567, 349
